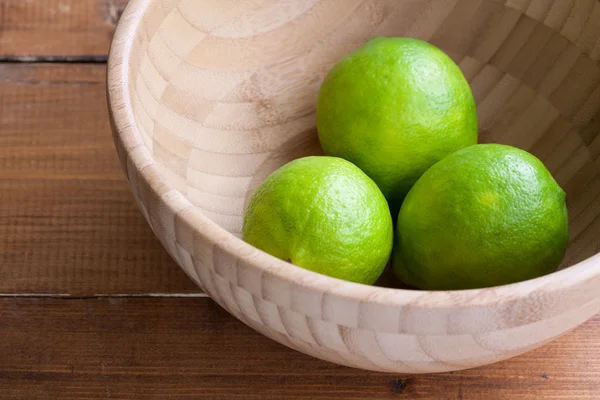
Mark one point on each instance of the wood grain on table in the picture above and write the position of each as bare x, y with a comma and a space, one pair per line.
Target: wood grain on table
92, 307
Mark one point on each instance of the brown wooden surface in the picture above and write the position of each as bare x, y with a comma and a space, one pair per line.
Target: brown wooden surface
57, 28
149, 348
68, 223
69, 227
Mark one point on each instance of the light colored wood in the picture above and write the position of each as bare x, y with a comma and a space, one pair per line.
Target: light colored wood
207, 98
68, 224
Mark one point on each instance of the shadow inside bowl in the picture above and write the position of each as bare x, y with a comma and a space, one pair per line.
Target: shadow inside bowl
220, 111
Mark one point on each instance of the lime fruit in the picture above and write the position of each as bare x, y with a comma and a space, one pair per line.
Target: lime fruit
484, 216
323, 214
395, 107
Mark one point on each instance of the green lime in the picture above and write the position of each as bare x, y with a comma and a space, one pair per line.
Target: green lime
484, 216
323, 214
395, 107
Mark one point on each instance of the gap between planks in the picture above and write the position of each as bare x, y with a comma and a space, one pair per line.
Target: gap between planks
68, 296
97, 59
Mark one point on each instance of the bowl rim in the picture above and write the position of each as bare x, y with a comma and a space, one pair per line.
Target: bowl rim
125, 130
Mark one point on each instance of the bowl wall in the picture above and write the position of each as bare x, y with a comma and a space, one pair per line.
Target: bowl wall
207, 98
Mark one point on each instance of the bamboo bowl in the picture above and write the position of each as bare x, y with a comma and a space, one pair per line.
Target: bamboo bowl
208, 97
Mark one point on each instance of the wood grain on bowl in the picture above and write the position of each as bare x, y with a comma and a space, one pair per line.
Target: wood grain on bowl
206, 98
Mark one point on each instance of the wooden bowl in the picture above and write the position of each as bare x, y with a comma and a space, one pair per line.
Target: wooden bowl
208, 97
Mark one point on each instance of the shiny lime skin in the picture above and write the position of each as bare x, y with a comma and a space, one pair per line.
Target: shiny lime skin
395, 107
484, 216
323, 214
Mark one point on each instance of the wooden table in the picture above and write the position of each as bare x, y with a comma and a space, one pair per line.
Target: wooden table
91, 306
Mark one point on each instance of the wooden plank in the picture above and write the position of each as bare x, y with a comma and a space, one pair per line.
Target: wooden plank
126, 348
68, 223
57, 27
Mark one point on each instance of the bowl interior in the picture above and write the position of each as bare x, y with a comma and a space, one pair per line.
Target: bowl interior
224, 93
